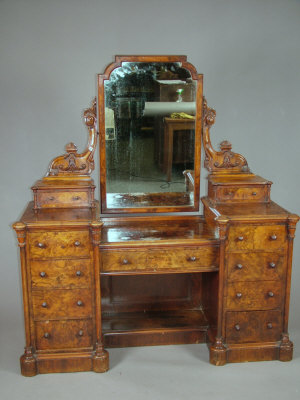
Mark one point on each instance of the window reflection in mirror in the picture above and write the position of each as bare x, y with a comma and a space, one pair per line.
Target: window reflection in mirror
150, 135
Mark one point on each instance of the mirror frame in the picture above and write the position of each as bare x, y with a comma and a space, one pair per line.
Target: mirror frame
198, 133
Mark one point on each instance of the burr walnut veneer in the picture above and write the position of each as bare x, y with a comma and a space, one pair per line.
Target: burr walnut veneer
95, 277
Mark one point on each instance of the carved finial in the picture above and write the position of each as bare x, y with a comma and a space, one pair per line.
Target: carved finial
224, 161
72, 163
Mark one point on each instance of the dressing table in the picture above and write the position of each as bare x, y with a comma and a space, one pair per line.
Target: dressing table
143, 266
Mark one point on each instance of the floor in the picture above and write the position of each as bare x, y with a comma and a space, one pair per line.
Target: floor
150, 373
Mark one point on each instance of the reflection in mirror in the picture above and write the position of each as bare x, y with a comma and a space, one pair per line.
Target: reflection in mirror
150, 135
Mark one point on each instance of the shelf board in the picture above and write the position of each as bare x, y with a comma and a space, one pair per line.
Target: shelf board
154, 328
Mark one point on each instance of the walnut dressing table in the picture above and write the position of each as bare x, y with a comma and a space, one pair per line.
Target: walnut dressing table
143, 267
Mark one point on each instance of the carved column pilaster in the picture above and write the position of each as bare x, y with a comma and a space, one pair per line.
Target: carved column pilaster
286, 346
101, 356
218, 349
28, 361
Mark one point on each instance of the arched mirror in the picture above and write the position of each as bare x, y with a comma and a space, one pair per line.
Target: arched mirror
150, 134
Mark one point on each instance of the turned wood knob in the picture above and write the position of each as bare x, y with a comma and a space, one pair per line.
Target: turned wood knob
253, 193
239, 295
269, 325
79, 303
78, 273
44, 304
237, 327
76, 198
273, 237
270, 294
193, 258
239, 266
80, 333
77, 243
272, 265
240, 238
42, 274
41, 245
51, 198
46, 335
125, 261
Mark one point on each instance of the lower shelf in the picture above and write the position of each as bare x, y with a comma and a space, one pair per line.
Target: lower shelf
154, 328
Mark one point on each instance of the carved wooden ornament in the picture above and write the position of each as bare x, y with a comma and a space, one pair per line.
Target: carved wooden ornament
224, 161
72, 163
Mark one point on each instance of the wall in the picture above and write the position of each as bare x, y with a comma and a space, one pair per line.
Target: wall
248, 51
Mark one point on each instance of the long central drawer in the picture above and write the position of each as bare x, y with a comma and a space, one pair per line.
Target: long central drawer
187, 259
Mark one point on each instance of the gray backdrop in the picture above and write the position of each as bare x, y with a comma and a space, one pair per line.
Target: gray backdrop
249, 53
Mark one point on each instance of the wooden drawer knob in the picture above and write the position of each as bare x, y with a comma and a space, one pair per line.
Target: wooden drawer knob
44, 305
77, 243
80, 333
46, 335
273, 237
237, 327
239, 266
253, 193
240, 238
193, 258
78, 273
51, 198
125, 261
270, 294
76, 198
41, 245
42, 274
272, 265
269, 325
79, 303
239, 295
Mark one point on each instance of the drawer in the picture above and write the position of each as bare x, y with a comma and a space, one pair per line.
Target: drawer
255, 266
196, 258
59, 303
63, 334
261, 295
264, 237
59, 244
60, 273
236, 194
253, 326
62, 199
273, 237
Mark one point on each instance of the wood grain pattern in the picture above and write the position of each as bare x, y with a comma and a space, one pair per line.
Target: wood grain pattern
53, 304
59, 244
186, 259
66, 274
263, 295
63, 334
256, 266
253, 326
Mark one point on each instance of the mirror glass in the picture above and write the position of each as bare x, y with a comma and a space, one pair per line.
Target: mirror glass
149, 135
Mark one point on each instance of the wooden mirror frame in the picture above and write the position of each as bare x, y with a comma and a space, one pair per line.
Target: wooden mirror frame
198, 133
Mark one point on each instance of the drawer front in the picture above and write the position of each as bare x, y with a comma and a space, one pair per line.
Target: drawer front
62, 199
59, 244
61, 273
240, 237
158, 260
256, 266
63, 334
53, 304
272, 237
123, 260
253, 326
262, 295
236, 194
188, 258
264, 237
